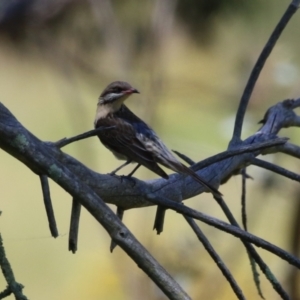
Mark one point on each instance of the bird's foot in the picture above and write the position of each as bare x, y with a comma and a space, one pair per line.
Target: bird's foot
113, 174
123, 177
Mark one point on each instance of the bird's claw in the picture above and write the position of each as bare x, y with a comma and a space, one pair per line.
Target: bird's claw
123, 177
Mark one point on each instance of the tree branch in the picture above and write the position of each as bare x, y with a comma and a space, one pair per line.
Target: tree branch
74, 225
48, 205
216, 258
66, 141
276, 169
290, 149
292, 8
13, 286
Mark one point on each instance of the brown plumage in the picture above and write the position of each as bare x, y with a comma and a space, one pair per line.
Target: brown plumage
133, 140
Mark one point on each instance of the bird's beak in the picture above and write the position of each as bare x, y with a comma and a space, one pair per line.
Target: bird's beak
132, 91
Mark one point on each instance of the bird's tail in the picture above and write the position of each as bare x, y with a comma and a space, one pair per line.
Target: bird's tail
185, 170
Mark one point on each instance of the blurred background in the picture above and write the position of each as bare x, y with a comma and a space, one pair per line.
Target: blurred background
190, 60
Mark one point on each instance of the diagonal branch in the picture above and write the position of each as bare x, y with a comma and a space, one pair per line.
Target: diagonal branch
274, 141
216, 258
66, 141
290, 149
276, 169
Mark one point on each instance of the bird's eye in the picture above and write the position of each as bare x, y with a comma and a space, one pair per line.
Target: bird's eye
118, 90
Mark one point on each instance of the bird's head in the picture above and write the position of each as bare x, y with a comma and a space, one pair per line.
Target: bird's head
116, 93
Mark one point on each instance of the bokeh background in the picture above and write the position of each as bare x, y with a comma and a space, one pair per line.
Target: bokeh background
190, 60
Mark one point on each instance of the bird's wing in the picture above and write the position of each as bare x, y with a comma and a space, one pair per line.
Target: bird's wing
123, 139
148, 138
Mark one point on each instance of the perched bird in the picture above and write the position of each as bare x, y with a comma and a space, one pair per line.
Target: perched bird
133, 140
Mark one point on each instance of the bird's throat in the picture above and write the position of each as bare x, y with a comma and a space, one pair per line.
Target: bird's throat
103, 110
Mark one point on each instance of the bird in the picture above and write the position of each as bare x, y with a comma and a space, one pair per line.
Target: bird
129, 138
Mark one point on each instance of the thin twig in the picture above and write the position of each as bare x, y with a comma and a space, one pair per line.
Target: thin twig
292, 8
13, 286
7, 292
276, 169
216, 258
48, 205
74, 225
256, 274
244, 222
243, 200
290, 149
244, 149
120, 214
66, 141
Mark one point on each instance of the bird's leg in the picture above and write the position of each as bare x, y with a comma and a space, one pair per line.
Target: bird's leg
133, 171
119, 168
130, 174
